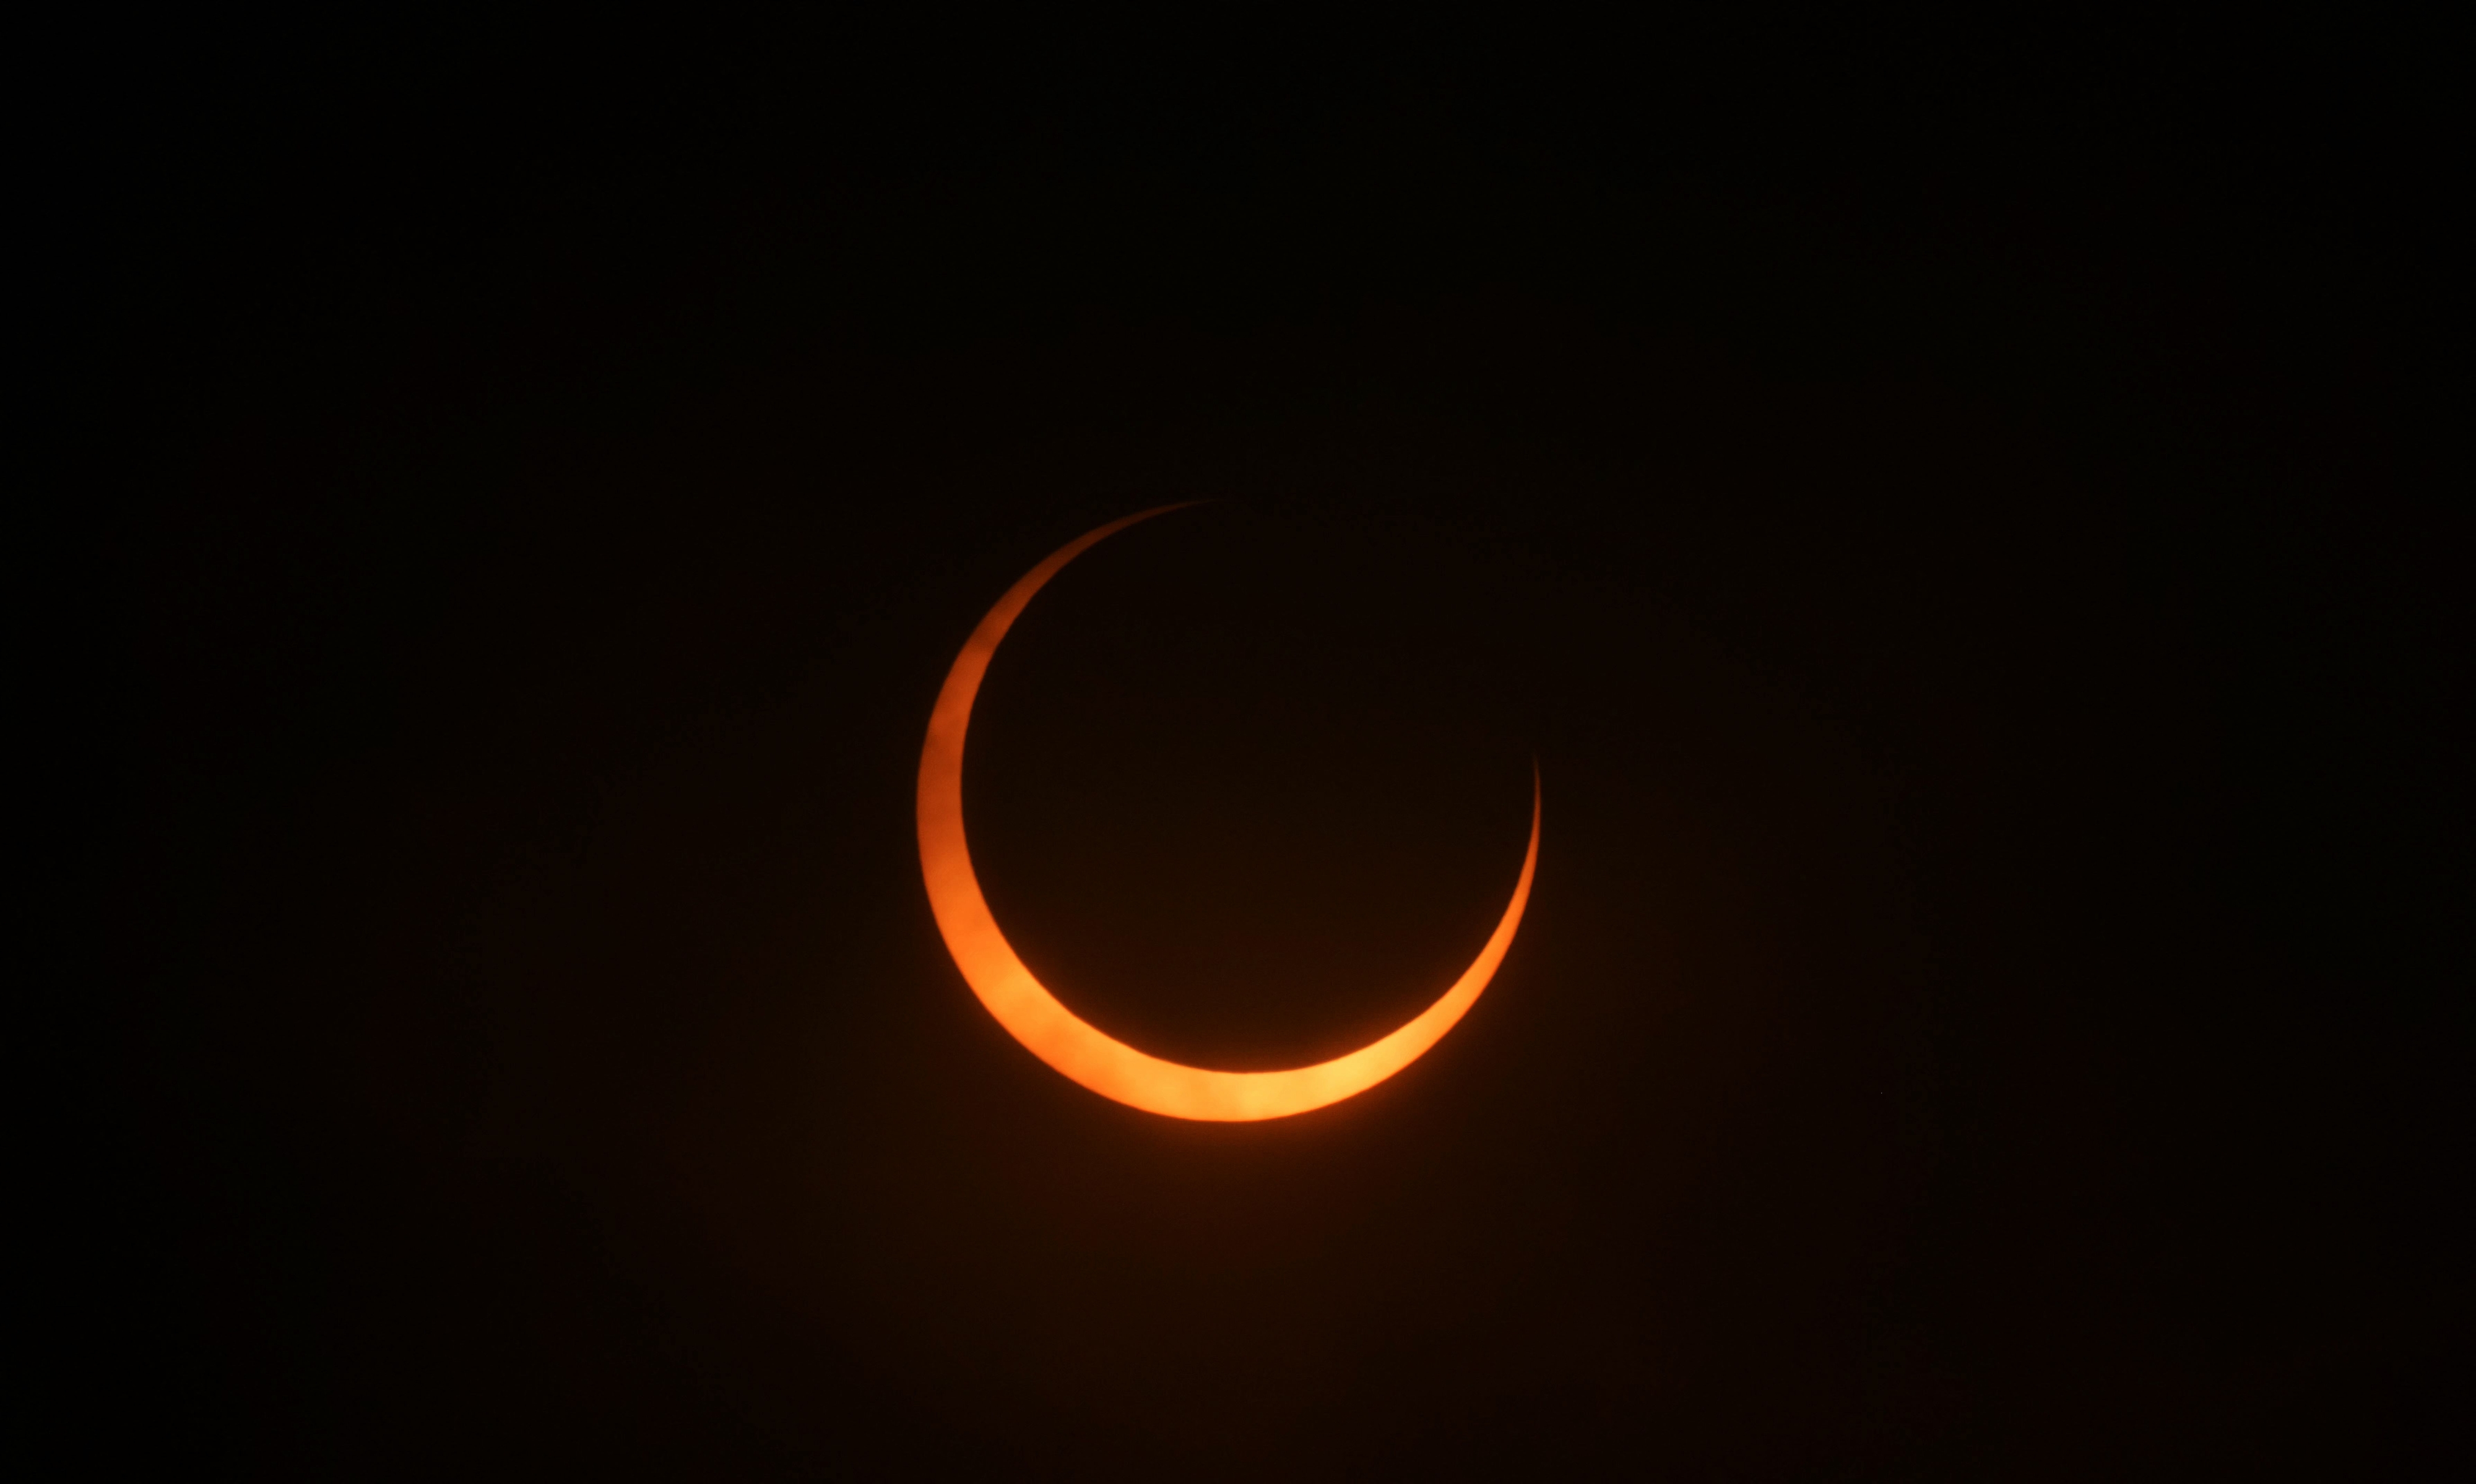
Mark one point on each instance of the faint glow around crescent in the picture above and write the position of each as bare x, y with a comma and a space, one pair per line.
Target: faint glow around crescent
1033, 1015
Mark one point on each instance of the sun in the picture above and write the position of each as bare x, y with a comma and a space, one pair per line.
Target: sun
1054, 1033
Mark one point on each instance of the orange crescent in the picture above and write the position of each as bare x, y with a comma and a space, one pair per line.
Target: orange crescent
1052, 1032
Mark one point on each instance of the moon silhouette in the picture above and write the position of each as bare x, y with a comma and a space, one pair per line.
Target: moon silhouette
1051, 1032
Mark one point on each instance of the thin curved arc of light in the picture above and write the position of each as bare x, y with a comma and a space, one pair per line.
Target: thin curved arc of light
1055, 1034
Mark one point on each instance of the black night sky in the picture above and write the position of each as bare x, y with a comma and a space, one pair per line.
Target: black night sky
1938, 512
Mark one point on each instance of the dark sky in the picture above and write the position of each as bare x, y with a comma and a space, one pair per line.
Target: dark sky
1936, 510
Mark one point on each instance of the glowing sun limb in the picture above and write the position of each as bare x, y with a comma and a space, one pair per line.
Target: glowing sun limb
1054, 1033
